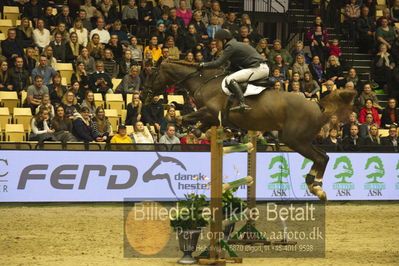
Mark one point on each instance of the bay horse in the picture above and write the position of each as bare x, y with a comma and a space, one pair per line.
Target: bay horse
297, 119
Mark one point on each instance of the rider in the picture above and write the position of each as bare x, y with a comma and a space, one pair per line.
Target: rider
241, 56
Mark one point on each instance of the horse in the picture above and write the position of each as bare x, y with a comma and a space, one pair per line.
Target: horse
297, 120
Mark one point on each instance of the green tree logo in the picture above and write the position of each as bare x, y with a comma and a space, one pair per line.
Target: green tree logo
305, 162
347, 172
378, 173
283, 172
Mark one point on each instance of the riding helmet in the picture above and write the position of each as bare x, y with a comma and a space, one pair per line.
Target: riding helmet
223, 34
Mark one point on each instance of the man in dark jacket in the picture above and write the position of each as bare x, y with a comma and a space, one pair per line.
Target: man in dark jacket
251, 65
59, 47
366, 27
152, 113
19, 76
390, 115
392, 140
353, 142
11, 46
99, 81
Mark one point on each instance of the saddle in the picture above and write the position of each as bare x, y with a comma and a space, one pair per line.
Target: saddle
266, 83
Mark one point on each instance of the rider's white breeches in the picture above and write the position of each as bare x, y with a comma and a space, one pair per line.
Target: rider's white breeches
249, 74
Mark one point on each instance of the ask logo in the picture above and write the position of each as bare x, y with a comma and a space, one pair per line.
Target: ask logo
344, 169
281, 171
375, 186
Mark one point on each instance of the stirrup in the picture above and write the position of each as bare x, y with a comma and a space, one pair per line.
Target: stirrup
241, 107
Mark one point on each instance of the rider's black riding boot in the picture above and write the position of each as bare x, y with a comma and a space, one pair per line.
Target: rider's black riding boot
236, 89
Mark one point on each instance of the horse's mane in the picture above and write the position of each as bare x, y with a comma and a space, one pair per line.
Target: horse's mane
182, 62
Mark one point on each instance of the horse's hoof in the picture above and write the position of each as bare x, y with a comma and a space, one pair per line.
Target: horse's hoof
318, 191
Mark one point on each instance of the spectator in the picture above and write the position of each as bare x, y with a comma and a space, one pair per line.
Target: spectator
99, 81
108, 11
85, 21
102, 33
41, 35
372, 6
278, 59
200, 26
317, 22
262, 48
126, 63
334, 69
24, 33
43, 70
390, 115
64, 17
83, 126
89, 103
158, 10
276, 76
46, 103
352, 121
183, 12
89, 8
19, 76
189, 57
364, 128
140, 135
160, 33
95, 48
386, 14
134, 109
213, 27
72, 48
354, 78
168, 119
319, 44
367, 93
174, 19
368, 108
51, 60
278, 86
40, 126
385, 34
199, 58
382, 67
277, 49
244, 33
295, 77
366, 29
101, 126
33, 10
392, 139
59, 47
82, 33
310, 87
11, 47
300, 66
5, 80
137, 53
332, 142
395, 10
115, 46
316, 69
48, 17
217, 12
296, 89
154, 48
35, 93
62, 126
192, 38
56, 89
353, 143
152, 113
352, 14
231, 25
70, 104
31, 55
79, 93
192, 136
199, 7
111, 68
170, 136
373, 138
178, 35
330, 87
80, 75
174, 52
61, 28
121, 136
130, 83
87, 60
334, 48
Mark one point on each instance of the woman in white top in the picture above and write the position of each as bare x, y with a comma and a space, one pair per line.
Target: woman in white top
82, 32
141, 134
41, 35
40, 127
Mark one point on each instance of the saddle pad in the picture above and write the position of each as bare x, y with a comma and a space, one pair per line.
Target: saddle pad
251, 89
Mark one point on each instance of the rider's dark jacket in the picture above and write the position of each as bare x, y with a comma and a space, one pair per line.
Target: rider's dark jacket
239, 54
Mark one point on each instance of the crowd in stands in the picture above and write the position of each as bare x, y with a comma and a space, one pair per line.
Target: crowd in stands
106, 40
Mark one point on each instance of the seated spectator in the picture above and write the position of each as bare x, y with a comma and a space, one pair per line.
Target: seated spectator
296, 89
101, 31
395, 10
160, 33
82, 32
33, 10
61, 29
70, 104
35, 93
277, 49
199, 58
56, 89
80, 75
174, 52
134, 109
373, 138
51, 60
386, 14
262, 48
352, 14
49, 18
316, 69
126, 63
192, 38
184, 13
276, 76
95, 48
168, 119
354, 78
189, 57
140, 135
40, 126
299, 50
72, 48
85, 20
216, 11
79, 93
210, 52
43, 70
372, 6
330, 87
170, 136
332, 141
279, 63
31, 57
319, 44
309, 86
89, 103
145, 17
160, 9
101, 126
89, 8
24, 33
353, 143
130, 14
332, 123
199, 26
174, 19
118, 31
99, 81
334, 48
366, 29
385, 34
368, 108
213, 27
278, 86
300, 66
12, 47
390, 115
192, 137
64, 17
364, 128
295, 77
130, 83
41, 35
368, 93
62, 126
231, 25
19, 76
178, 35
5, 79
137, 53
154, 48
121, 136
83, 126
116, 48
391, 140
152, 113
111, 67
382, 67
334, 70
59, 47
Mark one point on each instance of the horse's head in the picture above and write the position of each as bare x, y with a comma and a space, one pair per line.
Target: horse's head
154, 83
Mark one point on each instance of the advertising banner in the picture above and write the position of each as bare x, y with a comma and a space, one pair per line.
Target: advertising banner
73, 176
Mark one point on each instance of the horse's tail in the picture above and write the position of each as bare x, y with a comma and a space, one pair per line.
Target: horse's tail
339, 103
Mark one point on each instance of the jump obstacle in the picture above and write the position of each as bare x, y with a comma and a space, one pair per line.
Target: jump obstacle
248, 234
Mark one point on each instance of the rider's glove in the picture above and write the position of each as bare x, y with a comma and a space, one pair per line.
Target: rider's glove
201, 66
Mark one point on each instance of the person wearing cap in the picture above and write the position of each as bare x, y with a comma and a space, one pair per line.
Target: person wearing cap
121, 136
251, 65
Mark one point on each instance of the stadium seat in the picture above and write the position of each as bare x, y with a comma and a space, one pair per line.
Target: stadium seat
66, 70
123, 115
383, 132
5, 117
176, 98
64, 81
381, 4
23, 116
2, 37
5, 25
9, 99
15, 132
24, 95
115, 101
129, 98
378, 13
98, 99
115, 83
113, 117
129, 130
18, 22
11, 12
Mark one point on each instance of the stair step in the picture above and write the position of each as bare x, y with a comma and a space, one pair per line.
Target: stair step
357, 56
361, 63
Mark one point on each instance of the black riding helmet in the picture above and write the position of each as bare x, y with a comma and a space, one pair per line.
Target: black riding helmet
223, 34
